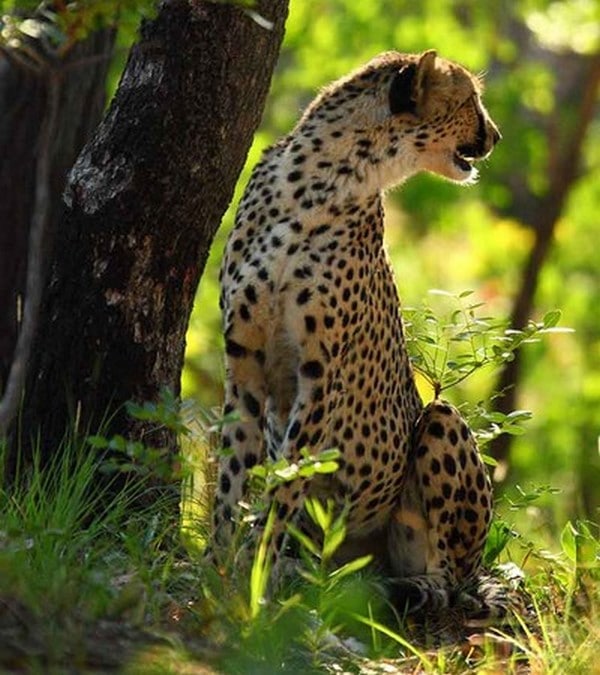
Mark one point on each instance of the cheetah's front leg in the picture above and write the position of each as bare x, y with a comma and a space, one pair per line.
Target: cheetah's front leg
439, 529
243, 437
305, 429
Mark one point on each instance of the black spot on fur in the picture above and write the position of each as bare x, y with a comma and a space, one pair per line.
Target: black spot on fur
235, 349
436, 429
245, 313
225, 483
234, 464
250, 293
294, 430
310, 323
437, 503
252, 404
250, 460
303, 297
449, 464
318, 414
480, 480
312, 369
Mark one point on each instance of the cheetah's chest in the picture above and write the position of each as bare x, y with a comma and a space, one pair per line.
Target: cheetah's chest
327, 281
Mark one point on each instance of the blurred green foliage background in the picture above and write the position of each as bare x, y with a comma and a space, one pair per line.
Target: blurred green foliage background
525, 238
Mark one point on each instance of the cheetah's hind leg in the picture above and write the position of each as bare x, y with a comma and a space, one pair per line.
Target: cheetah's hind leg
440, 525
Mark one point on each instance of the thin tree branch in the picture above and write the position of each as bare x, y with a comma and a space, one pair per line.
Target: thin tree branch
9, 405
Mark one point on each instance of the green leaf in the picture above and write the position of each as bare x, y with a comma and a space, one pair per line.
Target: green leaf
439, 291
552, 318
287, 473
117, 442
231, 417
329, 455
568, 541
326, 467
334, 538
519, 414
498, 537
557, 329
318, 514
99, 442
489, 460
261, 566
351, 567
259, 470
305, 541
588, 551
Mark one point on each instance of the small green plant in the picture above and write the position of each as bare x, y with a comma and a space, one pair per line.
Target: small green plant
166, 412
561, 633
266, 477
317, 568
261, 567
580, 545
133, 456
272, 473
501, 533
448, 347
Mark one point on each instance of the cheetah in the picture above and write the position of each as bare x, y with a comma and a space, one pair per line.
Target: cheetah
315, 351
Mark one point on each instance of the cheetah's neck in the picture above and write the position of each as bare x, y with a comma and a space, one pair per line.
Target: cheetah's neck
337, 166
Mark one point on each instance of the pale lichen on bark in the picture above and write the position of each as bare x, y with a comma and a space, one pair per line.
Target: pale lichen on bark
92, 185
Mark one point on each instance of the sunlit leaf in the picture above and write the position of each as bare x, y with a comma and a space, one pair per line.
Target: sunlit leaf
499, 536
552, 318
351, 567
568, 541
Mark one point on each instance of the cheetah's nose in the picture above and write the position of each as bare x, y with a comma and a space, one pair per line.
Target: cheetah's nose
496, 135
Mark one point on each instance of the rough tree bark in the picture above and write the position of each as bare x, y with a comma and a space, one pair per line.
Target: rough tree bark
80, 76
143, 202
576, 104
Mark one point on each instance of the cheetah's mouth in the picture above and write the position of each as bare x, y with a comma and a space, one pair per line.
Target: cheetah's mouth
465, 155
463, 163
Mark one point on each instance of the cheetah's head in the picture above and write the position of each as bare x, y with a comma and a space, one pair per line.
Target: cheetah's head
441, 102
400, 114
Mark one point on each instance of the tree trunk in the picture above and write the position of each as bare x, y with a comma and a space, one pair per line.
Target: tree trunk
575, 112
24, 104
143, 203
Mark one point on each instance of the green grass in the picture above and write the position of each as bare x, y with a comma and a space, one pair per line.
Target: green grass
92, 581
90, 584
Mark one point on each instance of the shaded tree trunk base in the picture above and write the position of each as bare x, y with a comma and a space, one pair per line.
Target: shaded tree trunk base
143, 202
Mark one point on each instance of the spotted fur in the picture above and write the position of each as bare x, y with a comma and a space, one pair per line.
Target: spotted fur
315, 351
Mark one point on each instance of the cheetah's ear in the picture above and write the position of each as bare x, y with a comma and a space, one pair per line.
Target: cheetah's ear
422, 80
